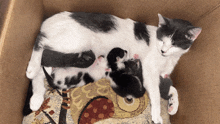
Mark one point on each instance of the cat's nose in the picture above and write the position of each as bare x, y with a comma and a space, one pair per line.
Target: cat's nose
162, 51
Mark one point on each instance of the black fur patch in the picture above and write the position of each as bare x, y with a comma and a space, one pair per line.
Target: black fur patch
87, 78
26, 109
52, 58
95, 21
165, 84
37, 45
140, 32
74, 80
58, 82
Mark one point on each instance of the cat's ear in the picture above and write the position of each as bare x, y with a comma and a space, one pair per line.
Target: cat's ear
194, 32
162, 20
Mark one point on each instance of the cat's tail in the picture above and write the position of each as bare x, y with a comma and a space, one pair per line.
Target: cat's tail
49, 79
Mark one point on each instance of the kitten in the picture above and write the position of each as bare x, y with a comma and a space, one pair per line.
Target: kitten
69, 77
116, 57
128, 81
65, 78
158, 48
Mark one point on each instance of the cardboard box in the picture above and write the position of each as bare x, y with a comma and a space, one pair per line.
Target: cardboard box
196, 77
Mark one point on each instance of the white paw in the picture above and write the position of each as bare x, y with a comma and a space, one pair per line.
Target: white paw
36, 102
32, 70
156, 118
173, 102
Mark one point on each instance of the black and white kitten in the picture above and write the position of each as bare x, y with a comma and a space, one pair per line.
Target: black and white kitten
116, 58
128, 81
158, 48
69, 77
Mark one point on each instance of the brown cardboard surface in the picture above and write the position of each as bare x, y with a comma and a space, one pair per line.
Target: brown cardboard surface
141, 10
23, 26
197, 76
3, 9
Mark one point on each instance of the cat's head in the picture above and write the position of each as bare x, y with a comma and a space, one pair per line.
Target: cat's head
175, 36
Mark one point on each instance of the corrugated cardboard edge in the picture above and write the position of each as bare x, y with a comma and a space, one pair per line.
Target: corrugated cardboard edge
6, 22
208, 12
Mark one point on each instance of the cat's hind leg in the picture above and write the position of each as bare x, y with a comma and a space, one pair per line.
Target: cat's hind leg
38, 91
173, 101
35, 61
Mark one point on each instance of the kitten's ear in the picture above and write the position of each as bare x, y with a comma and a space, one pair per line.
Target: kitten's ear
194, 33
162, 20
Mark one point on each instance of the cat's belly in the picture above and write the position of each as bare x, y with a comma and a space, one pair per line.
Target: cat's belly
68, 36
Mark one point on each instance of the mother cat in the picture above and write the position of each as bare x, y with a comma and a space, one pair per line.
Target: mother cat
156, 47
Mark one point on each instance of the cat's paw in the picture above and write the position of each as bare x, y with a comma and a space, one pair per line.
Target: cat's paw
36, 102
156, 118
32, 70
173, 102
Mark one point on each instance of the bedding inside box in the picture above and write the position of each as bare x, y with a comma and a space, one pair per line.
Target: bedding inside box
18, 37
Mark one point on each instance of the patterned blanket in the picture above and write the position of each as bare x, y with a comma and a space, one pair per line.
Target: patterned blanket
95, 103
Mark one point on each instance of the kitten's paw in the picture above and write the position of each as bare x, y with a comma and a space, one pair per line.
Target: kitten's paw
32, 70
36, 102
165, 75
136, 56
173, 103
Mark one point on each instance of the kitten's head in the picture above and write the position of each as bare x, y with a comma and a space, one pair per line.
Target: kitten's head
175, 36
116, 57
133, 67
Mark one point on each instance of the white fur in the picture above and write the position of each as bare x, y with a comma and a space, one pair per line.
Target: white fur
65, 35
120, 61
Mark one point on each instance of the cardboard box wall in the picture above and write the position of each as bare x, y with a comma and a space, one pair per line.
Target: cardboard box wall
196, 77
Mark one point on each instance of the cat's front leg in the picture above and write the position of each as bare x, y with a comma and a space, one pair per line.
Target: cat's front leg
151, 83
38, 91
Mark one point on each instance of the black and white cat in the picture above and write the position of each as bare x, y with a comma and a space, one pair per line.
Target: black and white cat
159, 48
